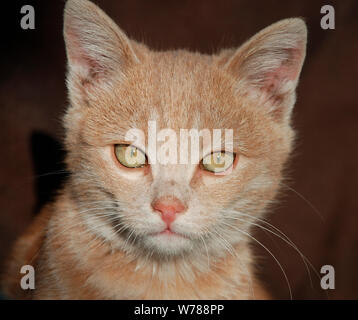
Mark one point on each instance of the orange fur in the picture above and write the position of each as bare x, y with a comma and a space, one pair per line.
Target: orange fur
115, 84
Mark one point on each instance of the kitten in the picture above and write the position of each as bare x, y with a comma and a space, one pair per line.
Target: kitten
144, 229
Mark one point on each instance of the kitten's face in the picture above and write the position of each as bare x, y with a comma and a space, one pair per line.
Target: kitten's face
125, 85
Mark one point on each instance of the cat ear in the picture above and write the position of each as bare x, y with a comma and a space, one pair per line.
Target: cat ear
96, 48
268, 66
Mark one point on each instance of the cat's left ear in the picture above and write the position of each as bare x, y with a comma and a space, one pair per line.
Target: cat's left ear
97, 50
268, 65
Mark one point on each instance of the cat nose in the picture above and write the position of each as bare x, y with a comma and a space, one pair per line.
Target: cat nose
169, 208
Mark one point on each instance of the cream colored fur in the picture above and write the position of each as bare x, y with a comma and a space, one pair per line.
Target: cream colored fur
95, 241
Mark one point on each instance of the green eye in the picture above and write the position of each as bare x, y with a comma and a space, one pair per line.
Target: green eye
218, 162
130, 156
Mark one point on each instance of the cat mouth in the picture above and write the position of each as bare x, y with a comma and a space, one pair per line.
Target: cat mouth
168, 233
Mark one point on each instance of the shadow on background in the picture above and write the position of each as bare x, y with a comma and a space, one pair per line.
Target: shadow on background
50, 172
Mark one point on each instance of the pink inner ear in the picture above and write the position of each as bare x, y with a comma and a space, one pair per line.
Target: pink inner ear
288, 71
78, 56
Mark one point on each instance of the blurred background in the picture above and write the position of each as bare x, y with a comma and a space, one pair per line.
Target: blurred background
318, 211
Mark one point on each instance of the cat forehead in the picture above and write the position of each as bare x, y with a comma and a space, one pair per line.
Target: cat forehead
176, 90
180, 75
179, 88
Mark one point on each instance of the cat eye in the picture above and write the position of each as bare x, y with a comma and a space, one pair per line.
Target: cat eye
218, 162
130, 156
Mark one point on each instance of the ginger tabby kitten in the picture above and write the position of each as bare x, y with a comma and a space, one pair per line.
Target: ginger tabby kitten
148, 230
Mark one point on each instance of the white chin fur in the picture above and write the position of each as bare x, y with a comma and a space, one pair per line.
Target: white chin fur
168, 244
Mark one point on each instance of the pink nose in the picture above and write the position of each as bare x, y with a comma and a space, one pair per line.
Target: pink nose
168, 207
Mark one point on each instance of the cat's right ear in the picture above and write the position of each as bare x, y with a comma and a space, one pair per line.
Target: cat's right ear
97, 50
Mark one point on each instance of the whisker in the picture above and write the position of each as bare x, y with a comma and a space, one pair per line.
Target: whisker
272, 255
231, 250
305, 200
305, 260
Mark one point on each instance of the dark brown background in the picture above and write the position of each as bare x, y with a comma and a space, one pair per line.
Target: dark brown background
33, 98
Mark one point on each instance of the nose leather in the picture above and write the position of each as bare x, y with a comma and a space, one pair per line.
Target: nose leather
168, 208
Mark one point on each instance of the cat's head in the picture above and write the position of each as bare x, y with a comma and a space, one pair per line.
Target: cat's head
116, 84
